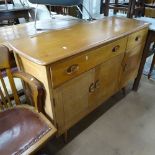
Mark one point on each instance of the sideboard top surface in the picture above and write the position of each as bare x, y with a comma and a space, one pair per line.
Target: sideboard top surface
53, 46
19, 31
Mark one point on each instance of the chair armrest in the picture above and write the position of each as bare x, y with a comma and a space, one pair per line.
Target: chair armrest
38, 91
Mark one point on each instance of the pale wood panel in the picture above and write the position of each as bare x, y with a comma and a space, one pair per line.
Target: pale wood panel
56, 45
106, 80
71, 99
39, 72
74, 66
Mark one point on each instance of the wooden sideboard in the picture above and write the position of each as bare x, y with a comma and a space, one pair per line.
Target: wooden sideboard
82, 66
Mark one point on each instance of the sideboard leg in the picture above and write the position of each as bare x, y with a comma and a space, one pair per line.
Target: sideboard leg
66, 136
124, 91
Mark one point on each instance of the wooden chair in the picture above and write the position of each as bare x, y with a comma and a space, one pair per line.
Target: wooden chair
23, 128
133, 7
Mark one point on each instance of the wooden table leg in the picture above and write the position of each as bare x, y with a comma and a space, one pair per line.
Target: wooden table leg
143, 60
115, 11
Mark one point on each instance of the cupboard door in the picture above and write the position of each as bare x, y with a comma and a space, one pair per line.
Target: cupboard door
72, 97
131, 64
106, 81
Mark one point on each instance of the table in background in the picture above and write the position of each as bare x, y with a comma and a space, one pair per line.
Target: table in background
13, 12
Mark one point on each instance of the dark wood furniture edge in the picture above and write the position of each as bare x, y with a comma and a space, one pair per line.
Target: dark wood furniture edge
151, 33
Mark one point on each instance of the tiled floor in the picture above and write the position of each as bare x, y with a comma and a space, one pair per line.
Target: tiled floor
127, 128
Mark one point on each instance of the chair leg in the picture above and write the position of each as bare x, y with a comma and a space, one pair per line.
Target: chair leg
151, 68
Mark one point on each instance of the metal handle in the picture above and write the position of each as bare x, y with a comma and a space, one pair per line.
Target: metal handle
72, 69
116, 48
97, 84
92, 88
137, 38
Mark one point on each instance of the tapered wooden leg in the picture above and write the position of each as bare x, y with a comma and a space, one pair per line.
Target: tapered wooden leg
124, 91
66, 136
151, 68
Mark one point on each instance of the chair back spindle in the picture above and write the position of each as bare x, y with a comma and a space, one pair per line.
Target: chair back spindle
9, 96
5, 97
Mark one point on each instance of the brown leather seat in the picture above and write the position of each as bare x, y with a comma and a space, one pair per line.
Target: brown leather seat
23, 128
20, 128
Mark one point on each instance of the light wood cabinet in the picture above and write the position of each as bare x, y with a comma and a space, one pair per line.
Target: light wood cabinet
106, 80
83, 66
79, 96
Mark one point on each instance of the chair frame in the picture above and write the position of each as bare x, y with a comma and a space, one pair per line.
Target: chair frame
36, 86
38, 96
131, 8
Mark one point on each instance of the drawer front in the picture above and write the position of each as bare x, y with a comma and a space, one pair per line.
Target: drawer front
68, 69
137, 38
106, 52
74, 66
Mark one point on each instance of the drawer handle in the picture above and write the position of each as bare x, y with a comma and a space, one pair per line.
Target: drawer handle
116, 48
72, 69
137, 38
97, 84
92, 88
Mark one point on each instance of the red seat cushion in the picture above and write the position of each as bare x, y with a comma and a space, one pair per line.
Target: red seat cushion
20, 128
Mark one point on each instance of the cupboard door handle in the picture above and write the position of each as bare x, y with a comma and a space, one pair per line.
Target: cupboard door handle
72, 69
92, 88
125, 66
116, 48
137, 38
97, 84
